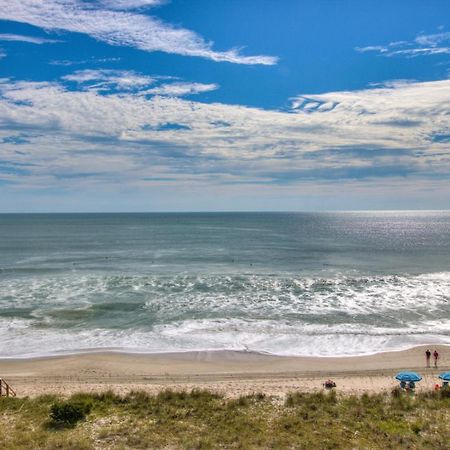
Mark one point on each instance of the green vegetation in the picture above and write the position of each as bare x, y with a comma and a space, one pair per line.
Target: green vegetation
70, 412
203, 420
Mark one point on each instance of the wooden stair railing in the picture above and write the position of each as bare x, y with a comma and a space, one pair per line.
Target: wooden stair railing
6, 389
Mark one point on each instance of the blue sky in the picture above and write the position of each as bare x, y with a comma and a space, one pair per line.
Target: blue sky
149, 105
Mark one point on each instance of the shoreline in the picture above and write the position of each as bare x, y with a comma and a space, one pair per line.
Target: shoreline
232, 373
212, 351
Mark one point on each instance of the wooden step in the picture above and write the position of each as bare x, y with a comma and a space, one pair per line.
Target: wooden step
5, 389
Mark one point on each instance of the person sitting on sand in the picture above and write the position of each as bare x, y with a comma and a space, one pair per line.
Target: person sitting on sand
436, 357
329, 384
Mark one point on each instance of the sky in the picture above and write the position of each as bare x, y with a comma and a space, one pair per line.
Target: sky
224, 105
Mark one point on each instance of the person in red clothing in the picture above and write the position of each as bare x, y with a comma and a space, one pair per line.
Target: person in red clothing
436, 357
428, 356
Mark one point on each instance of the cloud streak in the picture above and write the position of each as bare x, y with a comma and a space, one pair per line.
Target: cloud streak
130, 4
181, 88
106, 79
120, 28
29, 39
422, 45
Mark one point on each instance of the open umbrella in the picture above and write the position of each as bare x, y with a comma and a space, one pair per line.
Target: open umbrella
408, 376
445, 376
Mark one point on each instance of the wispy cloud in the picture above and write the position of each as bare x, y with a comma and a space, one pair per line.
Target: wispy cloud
433, 40
130, 4
2, 53
182, 88
105, 79
68, 63
422, 45
372, 48
426, 51
122, 28
29, 39
110, 81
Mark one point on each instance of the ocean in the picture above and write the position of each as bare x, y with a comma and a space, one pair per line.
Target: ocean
326, 284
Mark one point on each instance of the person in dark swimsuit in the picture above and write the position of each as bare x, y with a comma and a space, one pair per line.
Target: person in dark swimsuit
436, 357
428, 356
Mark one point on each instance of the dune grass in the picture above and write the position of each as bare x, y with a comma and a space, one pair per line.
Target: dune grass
204, 420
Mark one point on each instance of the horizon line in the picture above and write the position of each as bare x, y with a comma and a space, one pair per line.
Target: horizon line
229, 211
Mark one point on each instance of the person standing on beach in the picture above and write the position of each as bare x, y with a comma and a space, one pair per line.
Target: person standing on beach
436, 357
428, 356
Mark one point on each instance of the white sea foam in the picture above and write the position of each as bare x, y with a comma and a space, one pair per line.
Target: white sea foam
247, 293
19, 339
277, 314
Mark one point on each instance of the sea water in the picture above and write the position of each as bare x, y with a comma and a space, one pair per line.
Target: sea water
282, 283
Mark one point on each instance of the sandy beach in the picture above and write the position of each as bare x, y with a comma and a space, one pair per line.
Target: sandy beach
228, 372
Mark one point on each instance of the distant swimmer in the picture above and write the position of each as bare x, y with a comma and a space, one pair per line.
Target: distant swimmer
428, 356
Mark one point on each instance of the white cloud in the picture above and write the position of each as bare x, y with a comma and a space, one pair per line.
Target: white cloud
68, 63
182, 88
372, 48
432, 39
120, 28
104, 80
130, 4
101, 79
2, 53
125, 140
29, 39
424, 51
422, 45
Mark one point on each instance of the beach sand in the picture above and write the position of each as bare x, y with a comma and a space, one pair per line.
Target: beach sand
231, 373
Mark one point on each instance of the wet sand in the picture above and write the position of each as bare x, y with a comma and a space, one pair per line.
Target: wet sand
232, 373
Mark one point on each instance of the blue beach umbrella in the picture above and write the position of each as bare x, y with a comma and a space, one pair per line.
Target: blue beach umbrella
445, 376
408, 376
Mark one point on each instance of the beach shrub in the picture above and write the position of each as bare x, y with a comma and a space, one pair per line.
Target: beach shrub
70, 412
108, 397
199, 395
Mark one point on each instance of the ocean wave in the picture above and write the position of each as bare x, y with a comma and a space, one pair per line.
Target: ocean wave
270, 313
274, 337
167, 298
